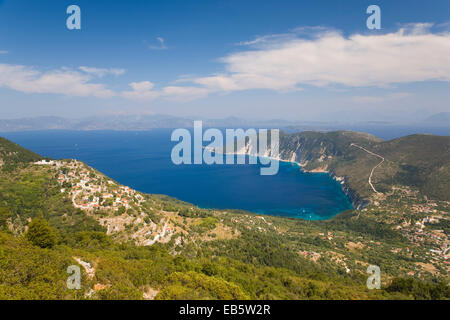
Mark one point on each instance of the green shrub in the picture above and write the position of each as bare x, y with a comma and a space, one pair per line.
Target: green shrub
41, 234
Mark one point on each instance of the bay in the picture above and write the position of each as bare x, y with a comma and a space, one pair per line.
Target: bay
141, 160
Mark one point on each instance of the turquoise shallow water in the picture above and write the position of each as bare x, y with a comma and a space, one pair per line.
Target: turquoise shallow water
142, 161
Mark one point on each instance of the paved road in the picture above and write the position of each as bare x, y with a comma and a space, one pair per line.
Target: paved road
373, 169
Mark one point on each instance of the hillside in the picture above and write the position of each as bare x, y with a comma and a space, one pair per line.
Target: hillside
132, 245
419, 162
13, 154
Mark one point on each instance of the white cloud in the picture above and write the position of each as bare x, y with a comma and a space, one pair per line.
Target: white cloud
3, 52
161, 44
188, 93
416, 28
321, 57
74, 83
217, 83
29, 80
327, 58
142, 86
143, 91
101, 72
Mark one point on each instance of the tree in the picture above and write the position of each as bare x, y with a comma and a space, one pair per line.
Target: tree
5, 214
41, 234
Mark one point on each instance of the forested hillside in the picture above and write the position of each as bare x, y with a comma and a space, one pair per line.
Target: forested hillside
13, 154
131, 245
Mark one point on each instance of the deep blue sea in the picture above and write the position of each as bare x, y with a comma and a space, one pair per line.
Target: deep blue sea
141, 160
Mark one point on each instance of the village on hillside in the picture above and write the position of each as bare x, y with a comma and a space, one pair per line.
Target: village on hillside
422, 221
126, 213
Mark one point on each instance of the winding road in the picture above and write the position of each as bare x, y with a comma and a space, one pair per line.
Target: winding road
373, 169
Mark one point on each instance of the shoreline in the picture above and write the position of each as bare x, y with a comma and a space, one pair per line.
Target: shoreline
353, 196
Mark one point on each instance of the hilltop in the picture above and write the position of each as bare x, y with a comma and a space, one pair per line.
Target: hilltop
132, 245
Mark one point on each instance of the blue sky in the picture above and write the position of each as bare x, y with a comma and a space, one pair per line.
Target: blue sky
304, 60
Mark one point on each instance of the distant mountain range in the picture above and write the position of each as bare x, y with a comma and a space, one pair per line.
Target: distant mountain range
127, 122
443, 117
146, 122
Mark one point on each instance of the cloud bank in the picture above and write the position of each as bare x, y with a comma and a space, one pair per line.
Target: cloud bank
317, 57
290, 61
63, 81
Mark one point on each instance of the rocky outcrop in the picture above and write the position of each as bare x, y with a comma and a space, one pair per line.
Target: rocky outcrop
357, 202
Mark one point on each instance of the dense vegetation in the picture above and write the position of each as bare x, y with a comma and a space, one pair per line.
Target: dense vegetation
28, 271
42, 234
12, 155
